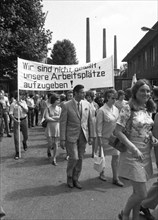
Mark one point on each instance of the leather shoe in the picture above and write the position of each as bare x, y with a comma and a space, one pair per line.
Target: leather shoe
70, 182
25, 146
118, 183
49, 153
54, 163
9, 135
77, 184
102, 177
146, 213
120, 215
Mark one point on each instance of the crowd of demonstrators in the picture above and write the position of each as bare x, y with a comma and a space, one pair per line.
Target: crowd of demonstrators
5, 105
106, 122
76, 129
135, 164
78, 117
52, 131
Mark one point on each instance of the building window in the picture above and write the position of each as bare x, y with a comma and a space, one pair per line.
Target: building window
154, 56
145, 59
139, 63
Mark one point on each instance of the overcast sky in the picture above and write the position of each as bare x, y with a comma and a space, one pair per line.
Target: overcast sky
67, 20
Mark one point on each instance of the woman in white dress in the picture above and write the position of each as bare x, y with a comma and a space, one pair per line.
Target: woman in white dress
107, 116
52, 131
135, 164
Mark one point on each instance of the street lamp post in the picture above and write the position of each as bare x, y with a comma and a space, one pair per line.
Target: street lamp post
147, 29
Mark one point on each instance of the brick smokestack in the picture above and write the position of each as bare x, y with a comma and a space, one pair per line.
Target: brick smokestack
104, 43
115, 52
87, 41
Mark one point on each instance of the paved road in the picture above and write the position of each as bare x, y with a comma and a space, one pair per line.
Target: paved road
33, 189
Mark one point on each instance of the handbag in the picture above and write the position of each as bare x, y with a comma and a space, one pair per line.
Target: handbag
44, 122
99, 162
116, 143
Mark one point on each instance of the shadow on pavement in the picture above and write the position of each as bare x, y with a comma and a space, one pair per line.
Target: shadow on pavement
29, 162
54, 190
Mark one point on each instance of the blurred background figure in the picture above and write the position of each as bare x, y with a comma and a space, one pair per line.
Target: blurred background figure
6, 105
12, 100
69, 95
99, 99
37, 108
18, 112
62, 99
120, 102
128, 94
1, 121
94, 108
31, 106
43, 104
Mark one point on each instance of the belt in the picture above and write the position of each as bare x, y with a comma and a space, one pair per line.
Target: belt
20, 118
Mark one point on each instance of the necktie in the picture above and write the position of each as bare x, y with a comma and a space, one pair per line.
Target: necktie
79, 108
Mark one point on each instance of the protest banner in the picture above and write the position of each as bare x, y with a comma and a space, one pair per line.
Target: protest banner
41, 76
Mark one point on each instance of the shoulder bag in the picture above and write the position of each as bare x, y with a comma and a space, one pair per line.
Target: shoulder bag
44, 123
117, 144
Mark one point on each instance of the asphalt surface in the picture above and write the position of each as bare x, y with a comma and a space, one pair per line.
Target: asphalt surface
33, 189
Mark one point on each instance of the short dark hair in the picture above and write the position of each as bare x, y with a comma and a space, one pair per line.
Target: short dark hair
77, 88
68, 92
62, 97
120, 93
53, 97
108, 92
31, 95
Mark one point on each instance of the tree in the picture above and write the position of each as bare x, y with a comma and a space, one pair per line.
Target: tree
22, 34
64, 53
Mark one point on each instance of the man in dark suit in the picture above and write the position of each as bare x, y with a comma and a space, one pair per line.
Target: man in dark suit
76, 129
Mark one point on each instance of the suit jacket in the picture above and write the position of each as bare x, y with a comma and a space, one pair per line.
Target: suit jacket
71, 122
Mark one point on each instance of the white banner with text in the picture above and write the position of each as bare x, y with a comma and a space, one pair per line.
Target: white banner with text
41, 76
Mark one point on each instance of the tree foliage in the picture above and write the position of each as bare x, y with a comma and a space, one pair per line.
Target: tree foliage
64, 53
22, 34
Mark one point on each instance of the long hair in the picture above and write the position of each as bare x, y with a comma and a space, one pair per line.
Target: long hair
150, 105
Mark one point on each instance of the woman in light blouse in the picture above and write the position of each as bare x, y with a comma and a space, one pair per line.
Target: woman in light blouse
107, 116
